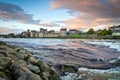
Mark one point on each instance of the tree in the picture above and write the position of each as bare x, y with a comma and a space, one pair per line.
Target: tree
109, 32
11, 35
104, 32
91, 31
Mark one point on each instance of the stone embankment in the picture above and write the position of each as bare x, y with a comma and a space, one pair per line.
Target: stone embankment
17, 63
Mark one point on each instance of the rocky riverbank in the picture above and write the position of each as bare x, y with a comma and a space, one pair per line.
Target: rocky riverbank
17, 63
54, 62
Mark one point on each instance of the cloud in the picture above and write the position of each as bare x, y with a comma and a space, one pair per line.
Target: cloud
49, 24
76, 23
13, 12
90, 13
4, 30
103, 8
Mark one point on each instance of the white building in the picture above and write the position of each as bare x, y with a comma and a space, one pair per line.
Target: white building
115, 30
73, 31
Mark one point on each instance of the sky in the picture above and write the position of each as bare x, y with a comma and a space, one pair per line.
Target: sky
19, 15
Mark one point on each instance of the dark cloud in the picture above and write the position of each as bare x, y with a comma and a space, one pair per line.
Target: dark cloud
13, 12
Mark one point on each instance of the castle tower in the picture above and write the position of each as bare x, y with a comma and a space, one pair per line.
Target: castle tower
63, 32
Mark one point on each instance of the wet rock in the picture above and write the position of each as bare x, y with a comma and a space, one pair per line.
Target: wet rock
115, 62
33, 68
93, 60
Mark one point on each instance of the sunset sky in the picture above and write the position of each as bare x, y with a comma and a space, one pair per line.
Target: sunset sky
20, 15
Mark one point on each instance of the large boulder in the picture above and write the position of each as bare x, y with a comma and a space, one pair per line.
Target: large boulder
22, 72
25, 74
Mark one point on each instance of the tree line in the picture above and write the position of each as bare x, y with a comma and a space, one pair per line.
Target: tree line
103, 32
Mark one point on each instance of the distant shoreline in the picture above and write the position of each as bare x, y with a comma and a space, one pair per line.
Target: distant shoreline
68, 37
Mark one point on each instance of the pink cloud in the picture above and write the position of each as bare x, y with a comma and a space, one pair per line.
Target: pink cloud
90, 13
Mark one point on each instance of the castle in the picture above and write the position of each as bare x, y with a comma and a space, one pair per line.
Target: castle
44, 33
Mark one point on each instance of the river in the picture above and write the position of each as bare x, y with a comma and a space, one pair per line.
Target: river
92, 56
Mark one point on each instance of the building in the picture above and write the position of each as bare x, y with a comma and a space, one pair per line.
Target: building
73, 31
26, 33
34, 33
40, 34
115, 30
44, 33
63, 32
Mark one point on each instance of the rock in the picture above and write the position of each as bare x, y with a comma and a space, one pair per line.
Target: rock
8, 49
17, 49
33, 60
22, 51
32, 76
18, 64
3, 76
4, 53
4, 62
25, 74
21, 55
45, 75
22, 72
33, 68
43, 66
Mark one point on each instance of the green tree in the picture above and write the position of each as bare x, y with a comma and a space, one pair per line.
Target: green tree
109, 32
11, 35
91, 31
104, 32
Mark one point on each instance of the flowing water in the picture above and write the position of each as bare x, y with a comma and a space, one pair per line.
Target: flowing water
93, 56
